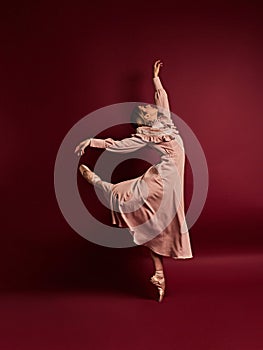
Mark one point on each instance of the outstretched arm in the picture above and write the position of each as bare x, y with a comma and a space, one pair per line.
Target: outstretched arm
130, 144
160, 96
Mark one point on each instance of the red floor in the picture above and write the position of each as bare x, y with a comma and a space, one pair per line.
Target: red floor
212, 303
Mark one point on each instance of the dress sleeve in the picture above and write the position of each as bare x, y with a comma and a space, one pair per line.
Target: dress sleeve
127, 145
161, 99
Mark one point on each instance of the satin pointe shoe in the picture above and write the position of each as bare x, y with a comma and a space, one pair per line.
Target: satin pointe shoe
89, 175
86, 173
159, 281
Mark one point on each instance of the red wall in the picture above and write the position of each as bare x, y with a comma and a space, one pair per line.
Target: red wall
61, 61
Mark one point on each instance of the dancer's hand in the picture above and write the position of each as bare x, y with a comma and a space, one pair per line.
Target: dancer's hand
156, 68
80, 148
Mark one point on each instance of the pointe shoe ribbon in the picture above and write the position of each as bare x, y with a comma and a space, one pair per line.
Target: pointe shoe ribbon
157, 281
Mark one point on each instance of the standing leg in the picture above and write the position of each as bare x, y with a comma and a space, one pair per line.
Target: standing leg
157, 260
158, 278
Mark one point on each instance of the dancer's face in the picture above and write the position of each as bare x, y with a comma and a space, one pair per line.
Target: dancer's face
149, 113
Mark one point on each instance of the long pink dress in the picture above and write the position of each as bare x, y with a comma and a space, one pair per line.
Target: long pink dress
152, 206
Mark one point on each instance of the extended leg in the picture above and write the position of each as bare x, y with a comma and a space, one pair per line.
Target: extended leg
94, 179
88, 174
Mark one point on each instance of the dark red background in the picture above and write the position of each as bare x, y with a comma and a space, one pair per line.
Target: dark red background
61, 61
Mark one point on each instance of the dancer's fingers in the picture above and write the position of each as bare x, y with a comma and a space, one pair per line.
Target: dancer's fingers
159, 61
155, 63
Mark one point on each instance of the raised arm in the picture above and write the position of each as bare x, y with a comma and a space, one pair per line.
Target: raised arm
160, 95
130, 144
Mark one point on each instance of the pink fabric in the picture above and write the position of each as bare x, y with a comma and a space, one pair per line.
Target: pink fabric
161, 99
152, 206
163, 129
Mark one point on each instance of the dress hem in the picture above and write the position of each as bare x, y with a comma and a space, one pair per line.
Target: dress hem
173, 257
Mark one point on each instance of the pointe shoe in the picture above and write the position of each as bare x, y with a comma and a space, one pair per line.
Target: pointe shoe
86, 173
159, 281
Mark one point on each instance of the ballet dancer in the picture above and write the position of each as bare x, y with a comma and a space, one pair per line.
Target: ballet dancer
158, 221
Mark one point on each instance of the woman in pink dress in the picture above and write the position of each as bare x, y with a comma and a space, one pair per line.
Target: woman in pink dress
150, 206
